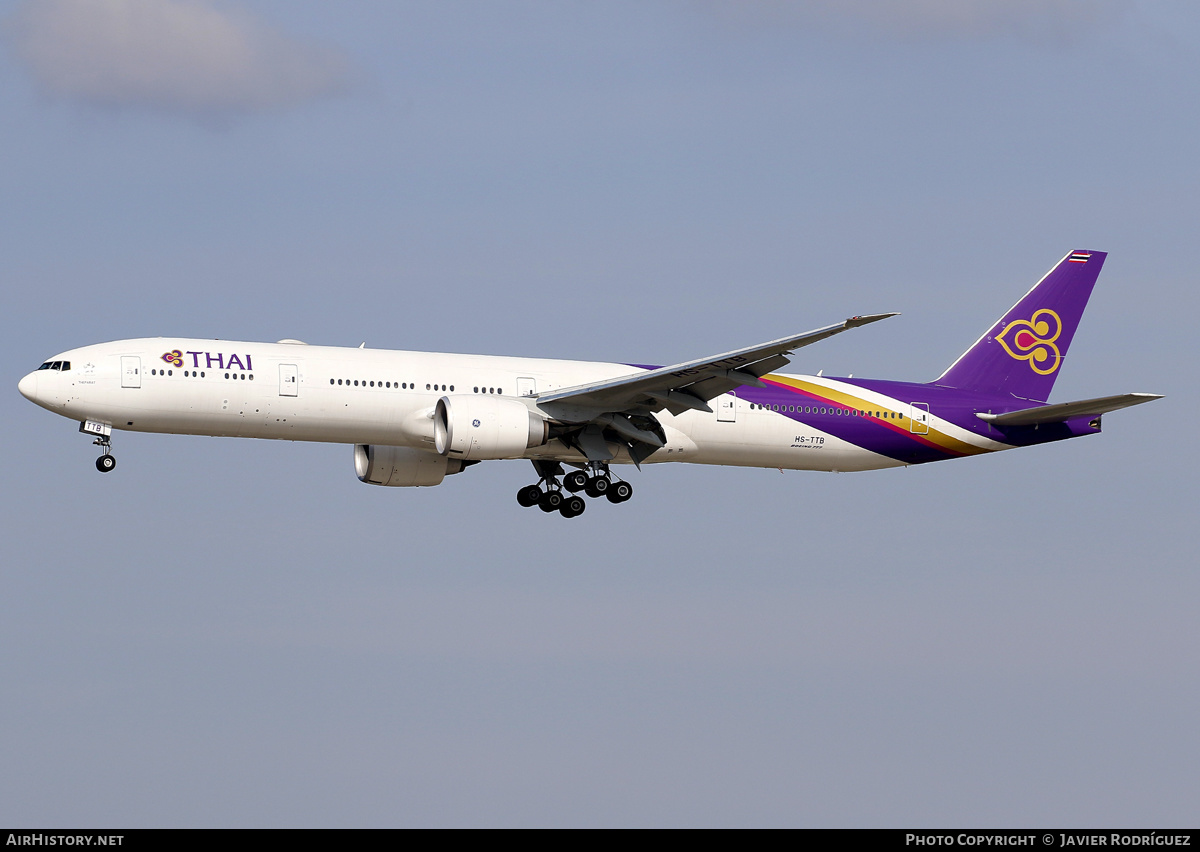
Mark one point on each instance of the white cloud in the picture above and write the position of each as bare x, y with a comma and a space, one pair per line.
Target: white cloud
180, 55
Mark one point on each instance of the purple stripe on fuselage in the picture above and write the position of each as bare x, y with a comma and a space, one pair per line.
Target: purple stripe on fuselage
894, 439
890, 438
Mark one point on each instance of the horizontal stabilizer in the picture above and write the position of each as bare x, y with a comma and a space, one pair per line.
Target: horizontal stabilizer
1066, 410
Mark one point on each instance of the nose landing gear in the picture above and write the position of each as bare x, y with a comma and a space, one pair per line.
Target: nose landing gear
103, 433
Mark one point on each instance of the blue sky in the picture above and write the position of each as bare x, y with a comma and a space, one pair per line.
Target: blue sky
230, 632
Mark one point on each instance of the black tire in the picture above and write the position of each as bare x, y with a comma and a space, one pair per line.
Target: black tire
574, 481
529, 496
573, 506
597, 486
619, 492
550, 501
105, 463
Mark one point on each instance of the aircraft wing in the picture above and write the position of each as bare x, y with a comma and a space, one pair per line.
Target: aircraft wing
1064, 410
688, 385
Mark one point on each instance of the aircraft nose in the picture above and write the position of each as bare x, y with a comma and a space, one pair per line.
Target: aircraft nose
28, 387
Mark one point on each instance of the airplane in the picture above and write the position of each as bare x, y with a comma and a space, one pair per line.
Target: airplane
416, 417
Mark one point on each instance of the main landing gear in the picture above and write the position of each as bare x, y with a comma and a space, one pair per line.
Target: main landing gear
548, 494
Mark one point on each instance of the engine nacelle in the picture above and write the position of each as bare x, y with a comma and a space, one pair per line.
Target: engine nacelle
472, 427
402, 466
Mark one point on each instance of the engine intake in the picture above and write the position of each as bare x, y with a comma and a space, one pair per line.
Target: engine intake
486, 427
402, 466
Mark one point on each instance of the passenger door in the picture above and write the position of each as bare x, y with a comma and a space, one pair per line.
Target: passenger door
919, 421
288, 382
727, 408
131, 371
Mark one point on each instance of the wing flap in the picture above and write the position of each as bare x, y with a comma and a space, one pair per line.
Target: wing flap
1066, 410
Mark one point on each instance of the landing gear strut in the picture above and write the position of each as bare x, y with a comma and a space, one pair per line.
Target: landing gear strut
548, 494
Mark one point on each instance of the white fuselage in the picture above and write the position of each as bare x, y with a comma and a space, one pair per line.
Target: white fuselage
297, 392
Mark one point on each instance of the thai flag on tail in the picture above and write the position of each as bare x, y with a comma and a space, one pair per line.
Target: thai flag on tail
1079, 256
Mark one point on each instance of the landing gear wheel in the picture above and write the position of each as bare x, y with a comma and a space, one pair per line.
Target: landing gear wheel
572, 506
574, 481
105, 463
529, 496
597, 486
619, 492
550, 501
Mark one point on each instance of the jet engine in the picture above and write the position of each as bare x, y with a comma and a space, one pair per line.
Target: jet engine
486, 427
402, 466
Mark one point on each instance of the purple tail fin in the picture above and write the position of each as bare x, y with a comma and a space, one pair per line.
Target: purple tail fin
1023, 352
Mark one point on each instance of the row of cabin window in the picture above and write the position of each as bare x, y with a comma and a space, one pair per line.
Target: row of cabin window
397, 385
56, 365
201, 374
405, 385
808, 409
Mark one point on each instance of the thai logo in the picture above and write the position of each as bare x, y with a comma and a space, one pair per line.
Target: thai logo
221, 360
1033, 339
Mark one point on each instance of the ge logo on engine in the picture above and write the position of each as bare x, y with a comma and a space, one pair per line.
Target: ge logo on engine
475, 422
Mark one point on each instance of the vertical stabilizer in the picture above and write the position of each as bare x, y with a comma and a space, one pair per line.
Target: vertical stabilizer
1023, 352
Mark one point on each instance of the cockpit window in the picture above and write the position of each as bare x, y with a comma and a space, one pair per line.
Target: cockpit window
56, 365
66, 365
46, 366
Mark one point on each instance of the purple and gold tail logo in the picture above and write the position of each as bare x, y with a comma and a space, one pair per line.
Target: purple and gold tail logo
173, 357
1033, 339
